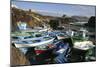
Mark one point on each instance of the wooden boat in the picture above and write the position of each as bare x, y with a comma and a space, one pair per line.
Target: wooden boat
34, 42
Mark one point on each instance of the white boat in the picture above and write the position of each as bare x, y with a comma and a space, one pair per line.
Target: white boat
24, 36
84, 45
35, 42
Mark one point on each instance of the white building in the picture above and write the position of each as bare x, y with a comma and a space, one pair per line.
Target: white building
22, 25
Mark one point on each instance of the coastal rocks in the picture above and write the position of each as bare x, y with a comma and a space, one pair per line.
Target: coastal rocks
18, 58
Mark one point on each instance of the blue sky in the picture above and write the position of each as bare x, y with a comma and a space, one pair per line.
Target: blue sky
57, 9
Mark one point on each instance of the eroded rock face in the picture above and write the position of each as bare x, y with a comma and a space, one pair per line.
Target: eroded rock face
18, 58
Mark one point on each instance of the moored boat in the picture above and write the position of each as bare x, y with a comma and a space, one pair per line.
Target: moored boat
35, 42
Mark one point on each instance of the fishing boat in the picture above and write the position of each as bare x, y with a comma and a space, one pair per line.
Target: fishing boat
26, 35
81, 41
84, 45
34, 42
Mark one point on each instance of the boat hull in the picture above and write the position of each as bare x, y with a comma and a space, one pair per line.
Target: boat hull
35, 44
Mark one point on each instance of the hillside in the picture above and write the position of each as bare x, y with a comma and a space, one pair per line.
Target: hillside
34, 19
81, 18
31, 18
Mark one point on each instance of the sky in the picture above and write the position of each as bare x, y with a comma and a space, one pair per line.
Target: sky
54, 9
